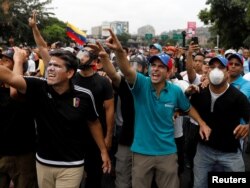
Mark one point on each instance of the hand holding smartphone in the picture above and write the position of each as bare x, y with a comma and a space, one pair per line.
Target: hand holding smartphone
195, 40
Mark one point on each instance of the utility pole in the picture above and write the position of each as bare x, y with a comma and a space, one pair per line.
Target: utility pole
183, 38
218, 40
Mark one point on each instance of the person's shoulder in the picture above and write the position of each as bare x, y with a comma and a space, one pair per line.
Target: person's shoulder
245, 82
101, 78
171, 85
183, 84
235, 90
247, 76
82, 92
142, 79
35, 78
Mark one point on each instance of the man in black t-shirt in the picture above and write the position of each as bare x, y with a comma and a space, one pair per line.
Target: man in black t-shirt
221, 106
17, 135
63, 112
101, 88
125, 104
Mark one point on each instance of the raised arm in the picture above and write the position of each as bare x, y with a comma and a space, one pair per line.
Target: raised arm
113, 43
40, 42
108, 67
12, 79
189, 64
19, 58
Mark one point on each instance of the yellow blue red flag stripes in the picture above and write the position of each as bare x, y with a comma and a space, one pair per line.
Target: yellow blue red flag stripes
76, 34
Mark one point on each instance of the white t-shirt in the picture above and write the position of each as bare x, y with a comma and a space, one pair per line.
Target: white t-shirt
178, 128
31, 66
197, 81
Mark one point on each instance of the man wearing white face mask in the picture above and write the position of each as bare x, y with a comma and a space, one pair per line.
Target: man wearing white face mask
221, 106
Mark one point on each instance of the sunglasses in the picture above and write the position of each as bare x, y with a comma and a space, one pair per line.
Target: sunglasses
235, 64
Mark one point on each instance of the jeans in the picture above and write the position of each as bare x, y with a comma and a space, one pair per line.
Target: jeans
207, 158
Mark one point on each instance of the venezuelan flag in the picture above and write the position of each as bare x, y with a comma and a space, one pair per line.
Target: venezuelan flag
76, 34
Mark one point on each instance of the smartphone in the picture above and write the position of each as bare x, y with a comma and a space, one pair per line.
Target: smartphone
195, 40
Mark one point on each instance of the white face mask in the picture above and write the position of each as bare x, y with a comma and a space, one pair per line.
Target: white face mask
216, 76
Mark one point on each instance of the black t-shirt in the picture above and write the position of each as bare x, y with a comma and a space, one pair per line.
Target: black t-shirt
102, 90
228, 110
128, 113
61, 122
17, 127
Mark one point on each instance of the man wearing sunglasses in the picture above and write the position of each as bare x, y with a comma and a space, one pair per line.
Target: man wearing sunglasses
235, 69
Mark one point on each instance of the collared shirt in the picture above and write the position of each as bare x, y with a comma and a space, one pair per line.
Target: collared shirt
61, 122
243, 85
154, 126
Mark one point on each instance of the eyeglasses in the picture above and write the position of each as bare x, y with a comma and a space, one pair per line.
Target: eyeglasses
235, 64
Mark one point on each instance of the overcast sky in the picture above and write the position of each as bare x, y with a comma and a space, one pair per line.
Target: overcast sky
163, 15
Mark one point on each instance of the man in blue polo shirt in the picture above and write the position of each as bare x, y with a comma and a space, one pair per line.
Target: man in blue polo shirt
235, 69
155, 101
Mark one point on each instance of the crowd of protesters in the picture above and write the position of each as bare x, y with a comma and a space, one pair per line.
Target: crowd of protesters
89, 116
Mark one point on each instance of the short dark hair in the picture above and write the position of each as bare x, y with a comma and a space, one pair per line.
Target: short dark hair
200, 54
71, 62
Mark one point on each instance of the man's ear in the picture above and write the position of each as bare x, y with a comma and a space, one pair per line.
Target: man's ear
70, 73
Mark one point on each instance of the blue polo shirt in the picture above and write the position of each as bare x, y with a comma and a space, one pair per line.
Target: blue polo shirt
154, 126
243, 85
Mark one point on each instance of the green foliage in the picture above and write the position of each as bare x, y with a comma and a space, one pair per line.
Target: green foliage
14, 16
248, 15
230, 19
54, 30
247, 41
54, 33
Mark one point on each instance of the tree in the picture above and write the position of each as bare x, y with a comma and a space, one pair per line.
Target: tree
54, 30
14, 16
230, 19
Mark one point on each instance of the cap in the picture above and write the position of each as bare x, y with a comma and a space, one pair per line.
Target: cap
164, 58
8, 53
219, 58
157, 46
140, 59
229, 51
237, 56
